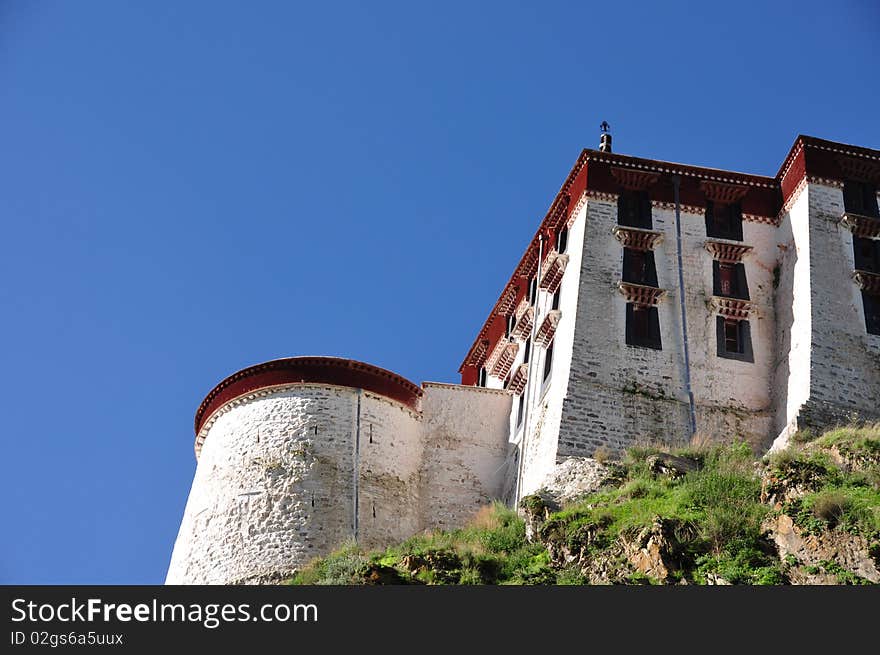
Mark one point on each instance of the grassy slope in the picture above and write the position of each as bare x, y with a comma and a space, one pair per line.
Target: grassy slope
717, 510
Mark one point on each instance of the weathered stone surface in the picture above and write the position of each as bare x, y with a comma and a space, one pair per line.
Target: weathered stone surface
655, 550
852, 553
573, 478
671, 465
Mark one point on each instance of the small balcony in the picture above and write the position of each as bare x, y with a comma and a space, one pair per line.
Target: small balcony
547, 330
525, 316
866, 227
868, 282
732, 308
552, 271
640, 294
728, 252
518, 379
501, 358
637, 238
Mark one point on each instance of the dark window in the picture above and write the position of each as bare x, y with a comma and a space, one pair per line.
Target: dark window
527, 351
533, 289
634, 209
519, 410
511, 321
724, 221
729, 280
562, 240
871, 304
866, 254
482, 378
734, 339
642, 327
639, 267
548, 361
860, 198
556, 297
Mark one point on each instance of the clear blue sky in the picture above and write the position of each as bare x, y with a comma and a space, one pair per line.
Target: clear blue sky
188, 188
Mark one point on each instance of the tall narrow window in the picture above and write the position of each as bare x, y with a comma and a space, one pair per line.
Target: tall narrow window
860, 198
482, 378
639, 267
866, 254
634, 209
729, 280
527, 351
642, 327
734, 339
556, 297
724, 221
548, 361
871, 303
519, 409
511, 321
562, 240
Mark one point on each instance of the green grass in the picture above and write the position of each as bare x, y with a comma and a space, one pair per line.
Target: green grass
715, 516
492, 550
718, 507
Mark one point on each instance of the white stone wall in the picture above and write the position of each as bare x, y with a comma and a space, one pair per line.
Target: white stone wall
619, 394
733, 398
543, 411
275, 485
269, 493
794, 315
845, 359
389, 457
465, 462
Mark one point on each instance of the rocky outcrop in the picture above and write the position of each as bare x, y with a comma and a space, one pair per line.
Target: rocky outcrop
829, 557
574, 478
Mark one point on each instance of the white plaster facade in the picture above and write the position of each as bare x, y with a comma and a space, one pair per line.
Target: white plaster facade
293, 471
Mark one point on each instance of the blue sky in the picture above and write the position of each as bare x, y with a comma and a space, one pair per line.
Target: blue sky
188, 188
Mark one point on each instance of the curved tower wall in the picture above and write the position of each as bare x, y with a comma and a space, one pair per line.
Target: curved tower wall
299, 456
282, 472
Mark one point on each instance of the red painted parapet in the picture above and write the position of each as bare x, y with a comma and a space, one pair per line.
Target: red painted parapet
316, 370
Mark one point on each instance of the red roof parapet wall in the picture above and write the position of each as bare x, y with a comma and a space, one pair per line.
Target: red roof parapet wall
308, 370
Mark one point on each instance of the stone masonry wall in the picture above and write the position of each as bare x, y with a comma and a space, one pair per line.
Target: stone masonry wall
465, 452
269, 493
389, 458
619, 394
845, 359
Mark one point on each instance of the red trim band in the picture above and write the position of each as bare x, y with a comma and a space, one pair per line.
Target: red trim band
315, 370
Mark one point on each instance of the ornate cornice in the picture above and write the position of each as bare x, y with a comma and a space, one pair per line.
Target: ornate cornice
727, 252
546, 331
601, 195
634, 179
501, 358
734, 308
553, 270
518, 380
572, 216
867, 281
867, 227
722, 192
640, 294
637, 238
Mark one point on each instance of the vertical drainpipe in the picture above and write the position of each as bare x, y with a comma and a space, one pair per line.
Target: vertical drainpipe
676, 181
529, 376
357, 463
